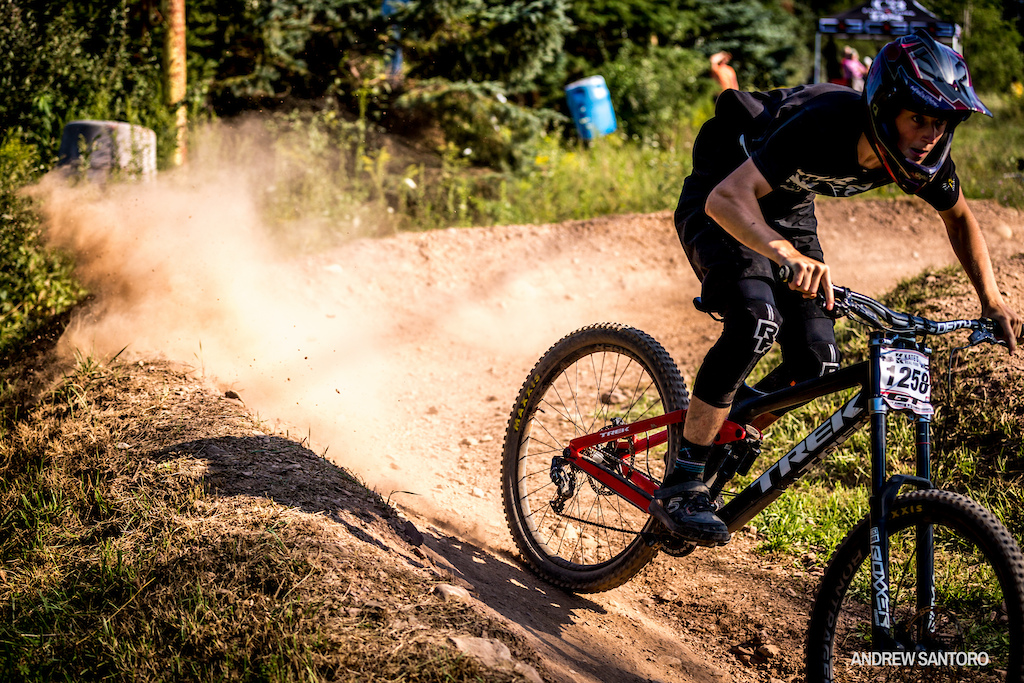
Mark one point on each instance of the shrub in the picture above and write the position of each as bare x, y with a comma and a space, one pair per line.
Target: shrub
479, 119
993, 50
66, 61
35, 285
657, 88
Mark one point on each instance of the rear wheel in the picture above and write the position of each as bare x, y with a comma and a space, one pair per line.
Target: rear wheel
572, 530
970, 631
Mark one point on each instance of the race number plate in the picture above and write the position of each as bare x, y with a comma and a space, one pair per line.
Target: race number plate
905, 382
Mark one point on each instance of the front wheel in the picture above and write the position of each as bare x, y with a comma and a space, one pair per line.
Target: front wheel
572, 530
969, 630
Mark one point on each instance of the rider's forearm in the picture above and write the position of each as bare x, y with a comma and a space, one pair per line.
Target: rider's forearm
740, 215
970, 248
974, 258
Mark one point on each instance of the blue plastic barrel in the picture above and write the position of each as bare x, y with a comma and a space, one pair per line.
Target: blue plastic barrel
388, 8
591, 106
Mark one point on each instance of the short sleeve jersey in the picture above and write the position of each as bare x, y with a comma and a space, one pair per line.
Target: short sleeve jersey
804, 143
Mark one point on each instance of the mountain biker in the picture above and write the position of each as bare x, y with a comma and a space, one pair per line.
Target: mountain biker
748, 208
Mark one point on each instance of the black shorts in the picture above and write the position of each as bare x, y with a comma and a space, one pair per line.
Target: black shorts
719, 260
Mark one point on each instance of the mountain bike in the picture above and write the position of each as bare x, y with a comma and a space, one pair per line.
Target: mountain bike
929, 585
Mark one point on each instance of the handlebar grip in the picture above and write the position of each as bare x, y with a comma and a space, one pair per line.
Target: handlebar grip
837, 311
989, 333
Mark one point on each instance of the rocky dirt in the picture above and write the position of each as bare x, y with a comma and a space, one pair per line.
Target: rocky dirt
438, 331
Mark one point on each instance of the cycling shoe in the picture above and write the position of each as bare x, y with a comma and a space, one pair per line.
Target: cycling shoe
686, 510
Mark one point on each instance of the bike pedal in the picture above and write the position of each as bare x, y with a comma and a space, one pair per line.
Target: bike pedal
669, 544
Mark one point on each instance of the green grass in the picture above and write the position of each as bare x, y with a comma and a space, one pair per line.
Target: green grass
610, 176
977, 450
812, 518
989, 152
126, 564
319, 179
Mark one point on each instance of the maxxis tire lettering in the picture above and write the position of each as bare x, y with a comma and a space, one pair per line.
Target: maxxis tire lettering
954, 512
672, 388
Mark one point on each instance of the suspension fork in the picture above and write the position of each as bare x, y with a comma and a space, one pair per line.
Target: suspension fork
878, 554
884, 490
925, 540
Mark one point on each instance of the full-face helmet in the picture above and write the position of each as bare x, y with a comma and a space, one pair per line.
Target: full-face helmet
918, 73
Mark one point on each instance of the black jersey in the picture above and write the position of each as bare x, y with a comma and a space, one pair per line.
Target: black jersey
804, 142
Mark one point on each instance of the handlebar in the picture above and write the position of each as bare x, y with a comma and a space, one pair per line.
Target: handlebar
871, 313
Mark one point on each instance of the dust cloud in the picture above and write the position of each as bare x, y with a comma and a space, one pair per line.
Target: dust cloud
185, 271
390, 356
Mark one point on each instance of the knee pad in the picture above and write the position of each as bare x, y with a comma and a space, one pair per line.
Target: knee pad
752, 328
817, 359
824, 357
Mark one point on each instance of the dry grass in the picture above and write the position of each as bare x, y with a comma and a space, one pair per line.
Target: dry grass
152, 530
979, 394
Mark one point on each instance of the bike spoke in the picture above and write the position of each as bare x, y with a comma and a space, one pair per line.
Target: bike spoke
567, 521
963, 633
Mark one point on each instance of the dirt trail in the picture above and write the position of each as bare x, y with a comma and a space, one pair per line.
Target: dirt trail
402, 357
472, 310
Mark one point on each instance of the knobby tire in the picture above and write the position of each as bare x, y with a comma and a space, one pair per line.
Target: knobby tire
979, 603
593, 540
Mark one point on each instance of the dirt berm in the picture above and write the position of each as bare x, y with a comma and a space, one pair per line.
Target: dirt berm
398, 359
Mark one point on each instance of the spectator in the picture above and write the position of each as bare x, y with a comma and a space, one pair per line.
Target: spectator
833, 66
853, 70
724, 74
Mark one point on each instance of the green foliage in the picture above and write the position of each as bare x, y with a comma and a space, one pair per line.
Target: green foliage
465, 63
478, 118
35, 285
256, 53
483, 40
993, 50
814, 517
605, 27
82, 60
643, 43
315, 192
460, 60
321, 180
612, 175
760, 37
647, 102
460, 54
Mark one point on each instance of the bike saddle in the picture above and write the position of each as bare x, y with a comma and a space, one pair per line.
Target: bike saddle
699, 304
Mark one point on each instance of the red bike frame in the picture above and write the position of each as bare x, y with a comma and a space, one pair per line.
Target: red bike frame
623, 478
